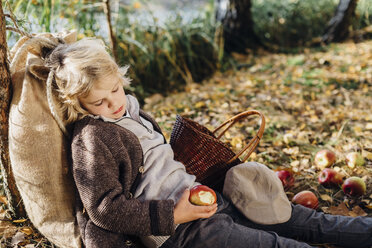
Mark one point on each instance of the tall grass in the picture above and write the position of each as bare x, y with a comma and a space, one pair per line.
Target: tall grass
363, 14
166, 56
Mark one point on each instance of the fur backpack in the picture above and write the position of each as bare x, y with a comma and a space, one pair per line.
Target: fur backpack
37, 145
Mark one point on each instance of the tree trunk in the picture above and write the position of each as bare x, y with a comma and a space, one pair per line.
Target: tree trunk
9, 185
113, 42
338, 27
238, 26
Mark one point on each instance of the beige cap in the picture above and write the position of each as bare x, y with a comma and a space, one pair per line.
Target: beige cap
258, 193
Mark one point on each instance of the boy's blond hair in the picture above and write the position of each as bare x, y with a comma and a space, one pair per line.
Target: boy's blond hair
75, 68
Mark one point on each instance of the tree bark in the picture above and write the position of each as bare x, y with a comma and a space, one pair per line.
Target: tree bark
238, 27
114, 46
338, 27
9, 185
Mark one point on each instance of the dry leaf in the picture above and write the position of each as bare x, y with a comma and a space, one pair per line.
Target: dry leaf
295, 163
199, 104
369, 206
369, 126
4, 200
357, 211
326, 197
236, 142
4, 225
155, 98
367, 155
305, 162
9, 231
341, 209
291, 150
19, 221
18, 238
288, 137
27, 230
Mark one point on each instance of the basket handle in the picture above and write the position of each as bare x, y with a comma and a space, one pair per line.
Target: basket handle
253, 142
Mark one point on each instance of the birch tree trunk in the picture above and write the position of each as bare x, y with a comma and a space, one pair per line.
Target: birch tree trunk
12, 194
338, 27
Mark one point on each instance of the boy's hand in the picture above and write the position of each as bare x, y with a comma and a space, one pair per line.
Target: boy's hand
184, 211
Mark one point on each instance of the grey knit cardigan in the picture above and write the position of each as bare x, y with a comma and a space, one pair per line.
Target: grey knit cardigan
106, 160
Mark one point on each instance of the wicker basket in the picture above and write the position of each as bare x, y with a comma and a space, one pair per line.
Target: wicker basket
204, 154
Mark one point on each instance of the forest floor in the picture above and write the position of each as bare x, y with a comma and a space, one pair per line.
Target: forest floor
318, 99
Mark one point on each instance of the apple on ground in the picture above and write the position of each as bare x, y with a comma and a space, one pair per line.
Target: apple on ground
286, 177
354, 159
202, 195
354, 186
324, 158
306, 198
329, 177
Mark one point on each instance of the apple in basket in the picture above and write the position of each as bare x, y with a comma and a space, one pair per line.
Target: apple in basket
202, 195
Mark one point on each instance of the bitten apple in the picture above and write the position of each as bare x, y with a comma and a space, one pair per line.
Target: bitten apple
202, 195
329, 177
306, 198
286, 177
354, 159
354, 186
324, 158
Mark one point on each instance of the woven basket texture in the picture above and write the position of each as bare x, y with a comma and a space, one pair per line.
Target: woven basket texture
201, 152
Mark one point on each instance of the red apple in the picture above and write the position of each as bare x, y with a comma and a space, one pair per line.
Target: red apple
354, 186
286, 177
354, 159
202, 195
306, 198
324, 158
329, 177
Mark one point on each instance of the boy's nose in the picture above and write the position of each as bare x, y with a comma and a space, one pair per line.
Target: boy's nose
110, 103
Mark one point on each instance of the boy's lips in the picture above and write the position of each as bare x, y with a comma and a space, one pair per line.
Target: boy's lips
118, 111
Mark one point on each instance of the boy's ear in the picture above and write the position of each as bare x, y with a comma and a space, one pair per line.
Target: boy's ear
39, 71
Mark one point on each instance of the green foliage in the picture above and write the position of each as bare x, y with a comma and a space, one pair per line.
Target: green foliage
363, 14
164, 57
292, 23
40, 15
57, 15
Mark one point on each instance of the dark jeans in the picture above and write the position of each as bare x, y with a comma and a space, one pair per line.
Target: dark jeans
229, 228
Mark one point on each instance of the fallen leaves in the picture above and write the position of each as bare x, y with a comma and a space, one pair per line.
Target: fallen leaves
318, 99
311, 101
326, 197
342, 209
7, 229
19, 233
4, 200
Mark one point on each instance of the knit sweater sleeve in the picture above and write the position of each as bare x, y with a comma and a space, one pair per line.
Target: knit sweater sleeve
98, 178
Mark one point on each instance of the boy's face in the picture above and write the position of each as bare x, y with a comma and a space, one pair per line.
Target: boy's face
106, 98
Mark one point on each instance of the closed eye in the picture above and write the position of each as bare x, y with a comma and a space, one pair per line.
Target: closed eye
99, 103
115, 90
